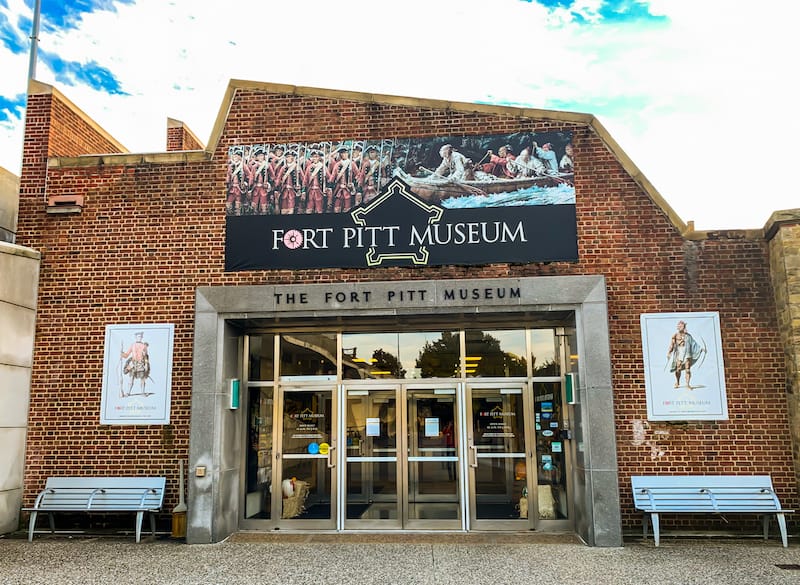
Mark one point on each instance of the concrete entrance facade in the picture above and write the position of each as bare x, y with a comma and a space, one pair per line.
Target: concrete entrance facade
216, 439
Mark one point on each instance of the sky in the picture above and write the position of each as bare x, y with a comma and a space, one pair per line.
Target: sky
700, 94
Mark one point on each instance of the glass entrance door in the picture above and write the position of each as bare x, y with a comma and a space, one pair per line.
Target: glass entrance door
499, 462
372, 467
486, 449
433, 490
306, 461
401, 455
553, 455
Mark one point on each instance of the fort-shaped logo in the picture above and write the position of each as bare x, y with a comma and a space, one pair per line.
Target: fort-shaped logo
397, 206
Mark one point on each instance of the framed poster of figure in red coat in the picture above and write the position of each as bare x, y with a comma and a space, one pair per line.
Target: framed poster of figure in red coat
137, 374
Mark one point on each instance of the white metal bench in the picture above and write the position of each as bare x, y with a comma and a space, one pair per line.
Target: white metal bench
100, 494
715, 494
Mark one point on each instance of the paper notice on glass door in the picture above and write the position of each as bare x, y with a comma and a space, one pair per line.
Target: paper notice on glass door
431, 427
373, 427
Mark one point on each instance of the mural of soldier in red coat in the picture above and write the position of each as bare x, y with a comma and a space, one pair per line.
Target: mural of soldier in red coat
258, 178
236, 181
343, 178
288, 184
357, 156
314, 183
276, 165
372, 171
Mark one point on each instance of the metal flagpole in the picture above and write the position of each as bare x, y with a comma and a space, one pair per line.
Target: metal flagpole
37, 10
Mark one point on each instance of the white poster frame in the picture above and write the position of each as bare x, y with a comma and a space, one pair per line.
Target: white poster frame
669, 396
131, 394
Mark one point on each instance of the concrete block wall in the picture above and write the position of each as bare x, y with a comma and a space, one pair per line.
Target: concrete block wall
783, 233
9, 204
153, 231
19, 274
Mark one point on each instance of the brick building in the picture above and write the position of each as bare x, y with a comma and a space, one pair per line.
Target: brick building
382, 346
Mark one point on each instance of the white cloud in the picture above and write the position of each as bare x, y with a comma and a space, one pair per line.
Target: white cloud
14, 69
706, 99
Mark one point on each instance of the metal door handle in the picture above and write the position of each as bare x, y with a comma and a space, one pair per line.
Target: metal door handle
331, 458
473, 454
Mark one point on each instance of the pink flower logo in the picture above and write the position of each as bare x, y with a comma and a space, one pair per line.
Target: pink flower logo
292, 239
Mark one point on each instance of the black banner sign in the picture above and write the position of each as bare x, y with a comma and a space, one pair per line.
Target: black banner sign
401, 202
399, 228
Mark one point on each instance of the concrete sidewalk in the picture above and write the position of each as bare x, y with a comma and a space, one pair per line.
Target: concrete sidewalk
362, 559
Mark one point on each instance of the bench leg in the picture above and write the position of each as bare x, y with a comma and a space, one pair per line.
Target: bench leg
139, 516
32, 525
644, 525
765, 524
782, 526
656, 528
153, 524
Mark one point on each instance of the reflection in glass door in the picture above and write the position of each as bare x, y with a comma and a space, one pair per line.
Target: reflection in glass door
498, 461
258, 481
552, 453
307, 458
459, 438
433, 491
371, 462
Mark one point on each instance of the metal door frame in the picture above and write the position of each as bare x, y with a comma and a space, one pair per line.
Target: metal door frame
569, 447
457, 389
403, 456
332, 457
343, 522
472, 457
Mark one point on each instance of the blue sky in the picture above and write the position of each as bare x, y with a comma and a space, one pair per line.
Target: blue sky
699, 93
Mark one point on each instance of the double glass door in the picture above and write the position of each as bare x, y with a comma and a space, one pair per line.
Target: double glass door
448, 456
402, 458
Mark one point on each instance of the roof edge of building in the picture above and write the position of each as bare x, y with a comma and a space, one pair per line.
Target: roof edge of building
98, 160
175, 123
685, 229
40, 88
778, 219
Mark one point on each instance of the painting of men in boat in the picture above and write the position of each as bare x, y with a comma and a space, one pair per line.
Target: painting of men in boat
523, 168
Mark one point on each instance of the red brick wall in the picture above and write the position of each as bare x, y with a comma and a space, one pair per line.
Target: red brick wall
151, 233
53, 128
72, 135
179, 138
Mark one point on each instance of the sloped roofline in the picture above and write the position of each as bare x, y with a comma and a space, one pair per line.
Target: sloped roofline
173, 123
513, 111
686, 230
39, 88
